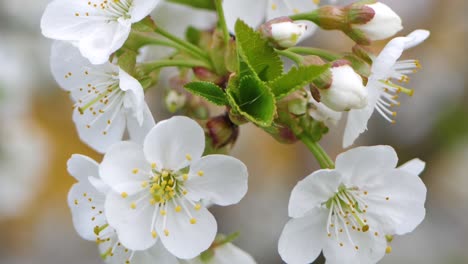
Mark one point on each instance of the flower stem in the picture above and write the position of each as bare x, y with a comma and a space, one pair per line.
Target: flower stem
222, 20
319, 153
330, 56
291, 55
189, 47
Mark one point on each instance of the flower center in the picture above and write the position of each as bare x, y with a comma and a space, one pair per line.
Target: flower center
347, 214
165, 185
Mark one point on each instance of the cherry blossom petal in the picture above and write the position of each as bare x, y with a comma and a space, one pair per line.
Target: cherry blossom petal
188, 233
229, 253
313, 191
303, 238
142, 8
81, 167
134, 99
359, 166
414, 166
396, 199
94, 128
357, 120
219, 179
279, 8
132, 219
137, 132
124, 168
174, 143
104, 40
87, 205
370, 249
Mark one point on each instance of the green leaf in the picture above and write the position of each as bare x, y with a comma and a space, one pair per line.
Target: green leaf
257, 53
209, 91
252, 99
295, 79
204, 4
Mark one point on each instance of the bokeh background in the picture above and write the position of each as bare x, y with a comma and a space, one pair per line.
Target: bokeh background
37, 136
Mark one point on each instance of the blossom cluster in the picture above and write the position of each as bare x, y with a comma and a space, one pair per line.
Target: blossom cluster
147, 200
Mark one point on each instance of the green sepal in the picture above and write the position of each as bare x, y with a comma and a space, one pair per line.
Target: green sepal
193, 35
127, 60
209, 91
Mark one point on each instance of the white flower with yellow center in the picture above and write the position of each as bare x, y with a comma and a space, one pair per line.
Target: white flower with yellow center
158, 188
86, 201
107, 99
256, 12
382, 92
97, 27
348, 211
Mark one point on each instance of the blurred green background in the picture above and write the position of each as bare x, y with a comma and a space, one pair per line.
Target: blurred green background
37, 136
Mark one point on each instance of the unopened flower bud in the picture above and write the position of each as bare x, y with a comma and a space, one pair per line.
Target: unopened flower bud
283, 32
222, 131
384, 22
343, 91
363, 21
175, 101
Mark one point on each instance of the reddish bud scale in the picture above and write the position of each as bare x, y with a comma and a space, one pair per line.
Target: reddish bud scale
222, 131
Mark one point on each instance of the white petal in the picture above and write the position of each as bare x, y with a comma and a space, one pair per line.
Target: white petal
186, 240
370, 250
312, 191
134, 99
404, 209
124, 168
416, 37
104, 40
94, 130
59, 20
137, 132
223, 180
359, 166
414, 166
229, 253
174, 143
358, 118
251, 12
142, 8
156, 254
132, 225
87, 206
303, 238
81, 167
65, 59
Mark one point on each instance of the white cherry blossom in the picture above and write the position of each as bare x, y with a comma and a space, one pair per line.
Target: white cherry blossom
107, 99
382, 92
348, 211
97, 27
86, 201
158, 188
